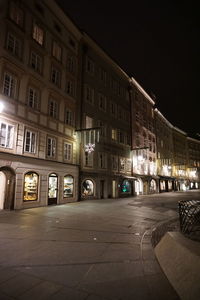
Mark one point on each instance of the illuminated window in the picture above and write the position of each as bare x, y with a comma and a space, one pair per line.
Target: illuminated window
114, 134
68, 186
88, 188
9, 85
6, 135
38, 34
56, 51
31, 186
30, 141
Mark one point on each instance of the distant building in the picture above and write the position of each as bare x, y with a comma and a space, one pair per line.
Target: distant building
143, 140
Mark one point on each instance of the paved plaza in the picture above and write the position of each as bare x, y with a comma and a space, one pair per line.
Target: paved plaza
91, 250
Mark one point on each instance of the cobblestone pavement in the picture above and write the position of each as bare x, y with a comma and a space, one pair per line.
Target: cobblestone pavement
91, 250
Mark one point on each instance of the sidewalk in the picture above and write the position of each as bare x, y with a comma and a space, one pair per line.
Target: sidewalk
92, 250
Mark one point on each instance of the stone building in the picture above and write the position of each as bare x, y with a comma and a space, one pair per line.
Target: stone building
164, 145
39, 75
143, 140
104, 127
193, 170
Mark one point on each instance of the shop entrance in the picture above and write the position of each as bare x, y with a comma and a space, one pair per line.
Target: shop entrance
7, 188
53, 189
114, 189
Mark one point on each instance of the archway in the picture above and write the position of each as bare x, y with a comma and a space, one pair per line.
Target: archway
2, 189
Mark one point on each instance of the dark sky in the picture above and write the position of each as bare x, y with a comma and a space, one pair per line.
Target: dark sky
156, 42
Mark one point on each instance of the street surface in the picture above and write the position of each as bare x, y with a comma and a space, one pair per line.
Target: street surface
90, 250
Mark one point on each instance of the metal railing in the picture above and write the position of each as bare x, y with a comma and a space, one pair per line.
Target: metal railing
189, 216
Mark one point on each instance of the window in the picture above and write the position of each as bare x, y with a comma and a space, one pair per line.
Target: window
55, 76
89, 66
69, 117
88, 122
31, 186
126, 186
53, 108
122, 164
56, 51
128, 165
70, 88
36, 62
114, 134
71, 64
30, 141
113, 108
102, 102
102, 128
51, 147
6, 135
13, 45
114, 162
102, 160
67, 151
9, 85
16, 14
38, 34
33, 97
103, 75
89, 94
89, 157
68, 186
87, 188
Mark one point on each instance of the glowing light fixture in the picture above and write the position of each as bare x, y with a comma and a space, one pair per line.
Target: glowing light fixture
89, 147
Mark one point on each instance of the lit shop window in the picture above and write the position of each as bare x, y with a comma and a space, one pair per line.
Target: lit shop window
31, 186
88, 188
68, 186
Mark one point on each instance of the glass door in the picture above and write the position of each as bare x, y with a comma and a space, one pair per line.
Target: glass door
53, 189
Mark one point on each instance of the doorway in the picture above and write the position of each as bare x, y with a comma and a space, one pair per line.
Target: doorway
102, 189
7, 188
53, 189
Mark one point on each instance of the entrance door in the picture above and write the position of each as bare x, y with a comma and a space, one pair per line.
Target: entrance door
53, 189
101, 189
113, 189
2, 189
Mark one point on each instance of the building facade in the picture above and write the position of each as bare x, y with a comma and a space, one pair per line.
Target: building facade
104, 128
39, 74
165, 150
73, 124
144, 166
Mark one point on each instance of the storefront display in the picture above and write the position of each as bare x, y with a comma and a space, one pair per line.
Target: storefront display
30, 187
53, 186
88, 188
68, 186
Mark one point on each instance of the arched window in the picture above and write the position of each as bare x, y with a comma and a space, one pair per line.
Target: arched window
68, 186
88, 188
31, 181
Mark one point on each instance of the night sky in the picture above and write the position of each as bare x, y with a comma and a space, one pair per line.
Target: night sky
156, 42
